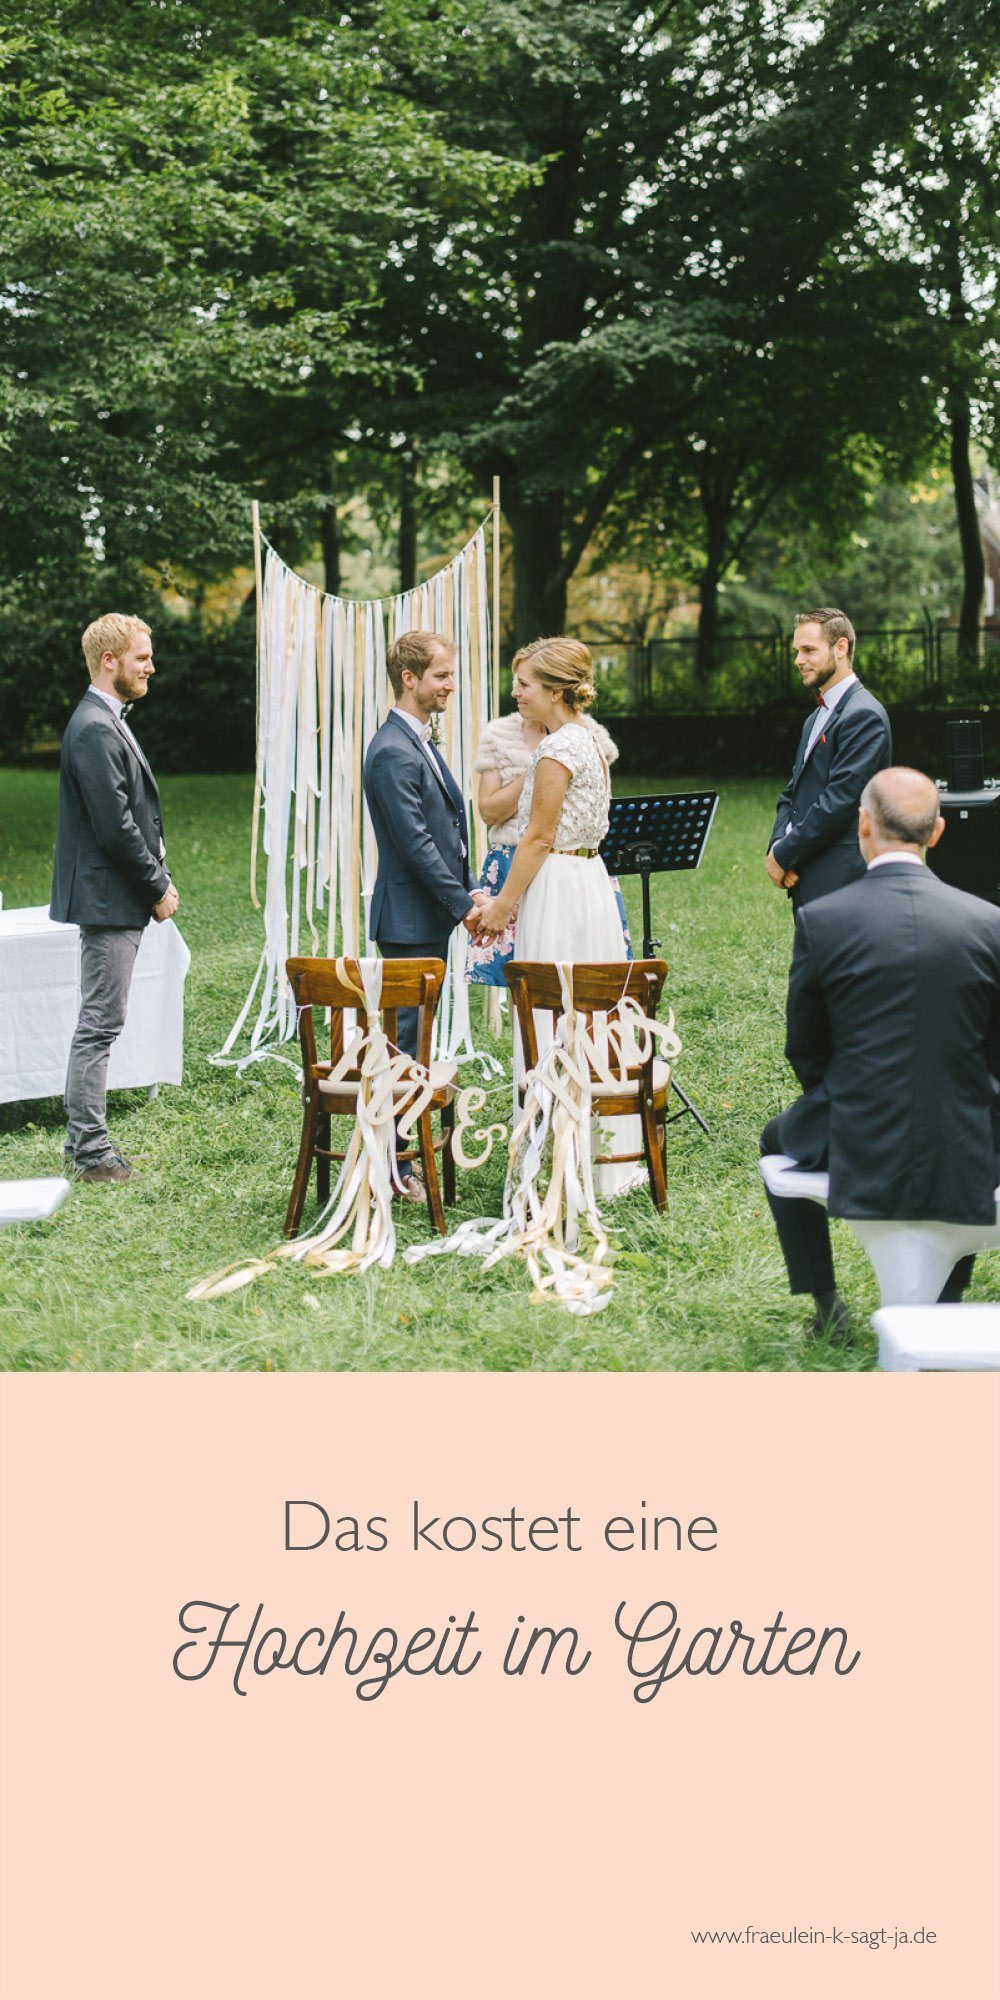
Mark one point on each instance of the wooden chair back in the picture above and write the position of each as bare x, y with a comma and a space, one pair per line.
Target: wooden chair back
406, 982
597, 989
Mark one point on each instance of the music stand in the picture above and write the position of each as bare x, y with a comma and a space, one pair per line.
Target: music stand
662, 835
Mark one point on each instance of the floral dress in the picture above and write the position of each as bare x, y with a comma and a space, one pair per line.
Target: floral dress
503, 750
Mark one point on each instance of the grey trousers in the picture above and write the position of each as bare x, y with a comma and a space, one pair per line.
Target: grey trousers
107, 958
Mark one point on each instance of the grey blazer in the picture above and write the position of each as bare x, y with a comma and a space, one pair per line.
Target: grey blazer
820, 801
418, 815
107, 867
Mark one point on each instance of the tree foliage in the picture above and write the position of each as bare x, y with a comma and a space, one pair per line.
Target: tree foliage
682, 276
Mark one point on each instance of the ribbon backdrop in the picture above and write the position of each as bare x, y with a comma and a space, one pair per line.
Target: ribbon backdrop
322, 691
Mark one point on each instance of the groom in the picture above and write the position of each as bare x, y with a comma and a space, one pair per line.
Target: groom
418, 815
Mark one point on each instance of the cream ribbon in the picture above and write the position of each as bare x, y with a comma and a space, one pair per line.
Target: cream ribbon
393, 1091
392, 1094
549, 1229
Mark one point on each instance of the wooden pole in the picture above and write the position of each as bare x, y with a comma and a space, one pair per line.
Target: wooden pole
496, 595
258, 579
357, 611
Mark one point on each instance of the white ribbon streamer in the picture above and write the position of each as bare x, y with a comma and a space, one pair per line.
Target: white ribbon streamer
322, 694
558, 1230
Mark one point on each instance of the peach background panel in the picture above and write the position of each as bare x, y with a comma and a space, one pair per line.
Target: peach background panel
481, 1838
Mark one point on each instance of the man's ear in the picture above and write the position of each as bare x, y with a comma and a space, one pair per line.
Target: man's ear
939, 826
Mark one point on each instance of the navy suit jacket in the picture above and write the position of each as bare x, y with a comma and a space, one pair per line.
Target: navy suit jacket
894, 1035
107, 866
418, 815
816, 829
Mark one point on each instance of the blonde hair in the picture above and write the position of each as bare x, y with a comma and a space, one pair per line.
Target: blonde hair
113, 633
564, 665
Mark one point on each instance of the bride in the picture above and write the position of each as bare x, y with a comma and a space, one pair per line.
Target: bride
567, 905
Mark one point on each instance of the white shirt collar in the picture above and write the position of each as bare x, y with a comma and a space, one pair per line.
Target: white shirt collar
836, 694
895, 854
421, 729
112, 700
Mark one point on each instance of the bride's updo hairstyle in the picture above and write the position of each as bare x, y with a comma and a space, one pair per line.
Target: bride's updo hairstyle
564, 665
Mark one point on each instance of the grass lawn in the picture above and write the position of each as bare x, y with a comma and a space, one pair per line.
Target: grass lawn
102, 1285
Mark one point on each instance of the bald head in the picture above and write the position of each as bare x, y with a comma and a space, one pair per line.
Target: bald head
900, 808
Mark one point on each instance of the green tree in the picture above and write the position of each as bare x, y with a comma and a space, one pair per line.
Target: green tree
197, 207
934, 206
540, 341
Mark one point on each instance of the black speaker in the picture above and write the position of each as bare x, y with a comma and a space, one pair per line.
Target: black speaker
968, 852
966, 763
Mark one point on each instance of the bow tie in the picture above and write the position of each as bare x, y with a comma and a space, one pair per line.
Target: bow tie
126, 709
818, 699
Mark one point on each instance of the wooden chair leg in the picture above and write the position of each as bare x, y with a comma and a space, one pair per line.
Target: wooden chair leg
300, 1184
447, 1156
654, 1157
429, 1163
323, 1165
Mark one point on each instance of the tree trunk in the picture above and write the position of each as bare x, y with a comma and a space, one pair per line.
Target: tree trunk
330, 540
708, 592
973, 561
539, 593
407, 521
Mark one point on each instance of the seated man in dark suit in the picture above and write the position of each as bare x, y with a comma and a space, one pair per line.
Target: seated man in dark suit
894, 1035
109, 876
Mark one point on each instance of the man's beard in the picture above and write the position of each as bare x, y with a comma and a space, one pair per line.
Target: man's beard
824, 678
127, 689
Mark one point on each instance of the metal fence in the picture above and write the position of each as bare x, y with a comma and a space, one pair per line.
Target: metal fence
908, 666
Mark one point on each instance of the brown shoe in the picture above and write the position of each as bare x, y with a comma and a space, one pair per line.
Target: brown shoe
105, 1170
412, 1189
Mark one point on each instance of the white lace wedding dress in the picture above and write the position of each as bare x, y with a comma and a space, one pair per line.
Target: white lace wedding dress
569, 912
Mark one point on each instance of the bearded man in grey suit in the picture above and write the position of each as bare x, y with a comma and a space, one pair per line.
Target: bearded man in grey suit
109, 875
422, 888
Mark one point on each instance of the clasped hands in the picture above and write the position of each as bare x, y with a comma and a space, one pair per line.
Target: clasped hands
487, 917
167, 905
784, 878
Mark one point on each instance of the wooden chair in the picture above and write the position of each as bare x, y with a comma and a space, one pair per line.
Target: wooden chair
597, 990
406, 982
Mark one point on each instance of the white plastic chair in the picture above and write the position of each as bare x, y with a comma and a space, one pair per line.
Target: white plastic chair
31, 1201
911, 1260
959, 1336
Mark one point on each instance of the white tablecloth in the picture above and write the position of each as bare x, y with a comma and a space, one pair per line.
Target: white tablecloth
40, 1001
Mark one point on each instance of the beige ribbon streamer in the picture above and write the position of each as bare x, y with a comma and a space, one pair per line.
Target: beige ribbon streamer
558, 1232
392, 1094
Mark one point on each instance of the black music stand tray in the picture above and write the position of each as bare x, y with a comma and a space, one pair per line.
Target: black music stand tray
653, 836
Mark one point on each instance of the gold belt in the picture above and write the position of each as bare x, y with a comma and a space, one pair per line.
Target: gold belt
582, 853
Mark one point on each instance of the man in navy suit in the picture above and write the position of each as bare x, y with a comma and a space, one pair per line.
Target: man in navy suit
422, 888
813, 847
109, 875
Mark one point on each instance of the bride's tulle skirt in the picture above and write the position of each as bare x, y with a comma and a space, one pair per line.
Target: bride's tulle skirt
569, 912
